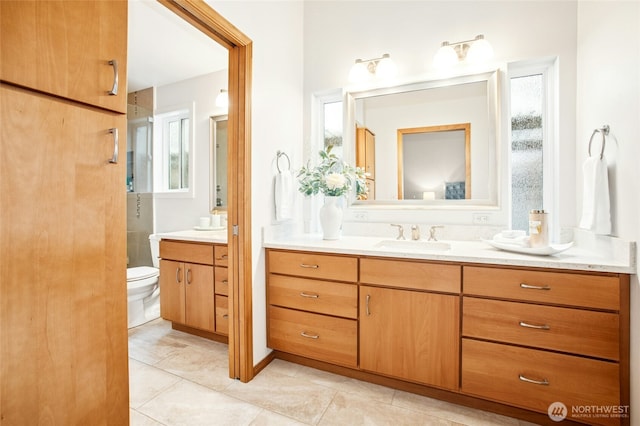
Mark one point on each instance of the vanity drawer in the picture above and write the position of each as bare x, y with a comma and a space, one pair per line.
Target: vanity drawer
220, 255
222, 314
500, 373
186, 252
563, 329
221, 285
411, 275
314, 265
324, 297
316, 336
591, 291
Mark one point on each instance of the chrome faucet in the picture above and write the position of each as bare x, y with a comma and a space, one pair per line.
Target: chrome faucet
400, 232
432, 232
415, 232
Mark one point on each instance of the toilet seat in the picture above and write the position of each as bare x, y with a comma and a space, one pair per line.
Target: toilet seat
141, 276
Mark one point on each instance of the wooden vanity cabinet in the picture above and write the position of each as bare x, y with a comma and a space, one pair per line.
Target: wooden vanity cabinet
186, 284
408, 329
313, 306
532, 337
366, 157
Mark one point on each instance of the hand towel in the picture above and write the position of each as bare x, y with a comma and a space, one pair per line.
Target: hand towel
595, 196
284, 195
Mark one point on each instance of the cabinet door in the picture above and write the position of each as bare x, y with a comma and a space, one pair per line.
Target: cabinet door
199, 298
172, 293
63, 309
410, 335
64, 48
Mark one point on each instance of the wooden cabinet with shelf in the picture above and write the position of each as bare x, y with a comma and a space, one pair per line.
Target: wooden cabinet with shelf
63, 224
75, 50
407, 333
313, 306
189, 277
531, 338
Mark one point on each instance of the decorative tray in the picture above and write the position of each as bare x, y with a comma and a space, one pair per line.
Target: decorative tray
538, 251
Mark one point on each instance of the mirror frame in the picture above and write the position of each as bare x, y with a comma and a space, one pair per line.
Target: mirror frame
466, 127
492, 78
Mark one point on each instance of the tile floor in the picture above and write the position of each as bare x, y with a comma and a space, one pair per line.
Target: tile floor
180, 379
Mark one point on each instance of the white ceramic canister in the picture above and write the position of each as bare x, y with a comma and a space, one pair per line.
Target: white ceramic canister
538, 228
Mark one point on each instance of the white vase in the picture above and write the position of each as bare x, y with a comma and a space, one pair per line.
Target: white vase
331, 218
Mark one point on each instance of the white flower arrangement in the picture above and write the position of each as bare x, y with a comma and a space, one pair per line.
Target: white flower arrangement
332, 177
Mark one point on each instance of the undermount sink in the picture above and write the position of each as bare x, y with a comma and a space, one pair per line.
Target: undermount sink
414, 245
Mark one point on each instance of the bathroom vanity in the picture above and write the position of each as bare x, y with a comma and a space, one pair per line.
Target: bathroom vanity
193, 282
470, 324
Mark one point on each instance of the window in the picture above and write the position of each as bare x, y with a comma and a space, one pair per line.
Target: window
532, 146
174, 173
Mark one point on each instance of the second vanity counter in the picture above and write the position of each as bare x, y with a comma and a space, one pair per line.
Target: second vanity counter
215, 237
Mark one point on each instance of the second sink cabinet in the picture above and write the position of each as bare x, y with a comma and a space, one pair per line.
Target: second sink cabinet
410, 327
187, 285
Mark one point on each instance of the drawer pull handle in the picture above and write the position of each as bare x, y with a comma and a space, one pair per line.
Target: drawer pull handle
225, 281
534, 287
536, 326
116, 141
223, 257
188, 276
309, 295
306, 265
225, 316
543, 382
178, 275
367, 304
309, 336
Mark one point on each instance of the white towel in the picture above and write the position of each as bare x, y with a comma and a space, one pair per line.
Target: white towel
284, 195
595, 196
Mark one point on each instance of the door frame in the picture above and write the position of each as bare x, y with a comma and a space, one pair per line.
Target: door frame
240, 47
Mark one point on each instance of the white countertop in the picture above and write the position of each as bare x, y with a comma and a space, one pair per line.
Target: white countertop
218, 236
617, 258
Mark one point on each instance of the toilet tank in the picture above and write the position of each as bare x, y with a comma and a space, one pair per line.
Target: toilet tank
154, 242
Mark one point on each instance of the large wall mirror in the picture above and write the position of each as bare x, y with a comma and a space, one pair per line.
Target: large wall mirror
466, 105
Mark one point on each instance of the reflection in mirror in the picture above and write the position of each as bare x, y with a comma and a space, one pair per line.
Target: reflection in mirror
218, 171
434, 162
469, 99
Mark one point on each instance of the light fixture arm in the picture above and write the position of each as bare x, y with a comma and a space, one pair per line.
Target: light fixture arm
372, 63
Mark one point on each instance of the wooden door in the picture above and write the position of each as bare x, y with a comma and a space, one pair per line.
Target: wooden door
63, 296
199, 296
410, 335
64, 48
172, 290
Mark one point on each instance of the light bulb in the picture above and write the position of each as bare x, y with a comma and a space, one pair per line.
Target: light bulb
386, 68
480, 51
222, 100
359, 72
446, 56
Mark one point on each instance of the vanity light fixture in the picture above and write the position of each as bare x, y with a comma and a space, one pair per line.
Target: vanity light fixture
222, 100
366, 69
471, 51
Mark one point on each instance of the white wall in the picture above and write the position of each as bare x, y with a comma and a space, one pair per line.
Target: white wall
276, 122
178, 213
609, 93
336, 33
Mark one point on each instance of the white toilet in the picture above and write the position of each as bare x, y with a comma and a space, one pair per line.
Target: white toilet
143, 291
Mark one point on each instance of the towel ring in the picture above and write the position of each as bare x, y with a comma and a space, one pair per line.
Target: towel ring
280, 154
604, 131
